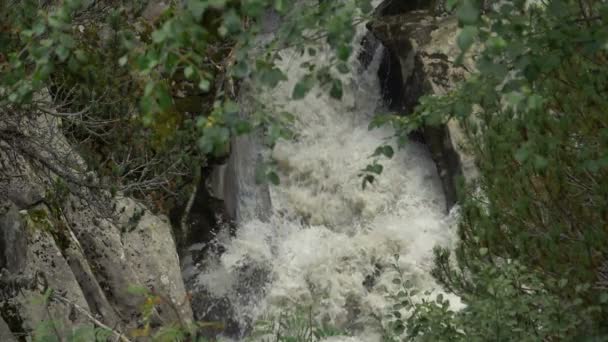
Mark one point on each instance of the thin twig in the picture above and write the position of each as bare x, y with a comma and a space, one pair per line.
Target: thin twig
120, 336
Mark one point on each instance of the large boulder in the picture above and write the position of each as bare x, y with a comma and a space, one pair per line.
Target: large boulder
61, 230
151, 236
425, 48
41, 267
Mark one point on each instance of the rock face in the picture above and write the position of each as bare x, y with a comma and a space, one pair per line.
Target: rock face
59, 230
425, 48
5, 332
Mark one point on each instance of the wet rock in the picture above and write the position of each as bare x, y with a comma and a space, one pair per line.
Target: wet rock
44, 268
208, 212
244, 198
425, 48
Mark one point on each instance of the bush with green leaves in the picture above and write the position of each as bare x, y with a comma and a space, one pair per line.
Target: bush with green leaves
532, 260
505, 303
294, 325
51, 330
148, 93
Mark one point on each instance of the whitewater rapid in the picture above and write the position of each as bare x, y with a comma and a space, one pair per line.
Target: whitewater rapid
328, 244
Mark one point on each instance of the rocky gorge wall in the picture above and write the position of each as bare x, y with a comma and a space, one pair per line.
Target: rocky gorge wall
59, 232
421, 49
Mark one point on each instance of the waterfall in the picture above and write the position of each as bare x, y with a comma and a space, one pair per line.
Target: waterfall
327, 243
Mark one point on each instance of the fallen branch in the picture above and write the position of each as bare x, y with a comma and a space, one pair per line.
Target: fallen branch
187, 209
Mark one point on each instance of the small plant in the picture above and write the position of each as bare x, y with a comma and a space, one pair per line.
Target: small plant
411, 312
293, 326
50, 330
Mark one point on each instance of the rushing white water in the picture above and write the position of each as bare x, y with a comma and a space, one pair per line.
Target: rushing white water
328, 243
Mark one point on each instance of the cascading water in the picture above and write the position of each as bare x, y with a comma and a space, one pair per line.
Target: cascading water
328, 243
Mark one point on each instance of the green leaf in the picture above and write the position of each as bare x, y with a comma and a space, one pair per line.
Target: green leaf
149, 88
147, 106
450, 4
232, 21
367, 179
81, 56
380, 120
302, 87
374, 168
231, 107
535, 102
242, 127
164, 99
343, 68
439, 298
271, 77
336, 89
467, 37
260, 174
204, 85
344, 51
39, 28
496, 42
189, 72
222, 31
540, 162
385, 150
253, 8
138, 290
279, 5
62, 52
366, 6
123, 60
468, 12
159, 35
197, 8
514, 98
240, 69
217, 4
273, 178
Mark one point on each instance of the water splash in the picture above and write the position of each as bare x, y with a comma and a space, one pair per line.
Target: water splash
328, 243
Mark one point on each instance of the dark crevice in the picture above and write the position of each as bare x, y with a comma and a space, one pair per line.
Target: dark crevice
394, 7
369, 45
401, 94
391, 81
206, 218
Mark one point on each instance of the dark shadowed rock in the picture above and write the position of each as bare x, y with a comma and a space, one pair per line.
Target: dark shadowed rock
425, 48
13, 241
394, 7
5, 332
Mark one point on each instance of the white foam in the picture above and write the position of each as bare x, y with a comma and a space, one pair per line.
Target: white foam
327, 234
